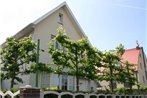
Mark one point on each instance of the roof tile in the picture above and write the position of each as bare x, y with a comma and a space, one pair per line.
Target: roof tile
131, 55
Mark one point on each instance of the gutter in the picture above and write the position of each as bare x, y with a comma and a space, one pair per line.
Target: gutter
22, 33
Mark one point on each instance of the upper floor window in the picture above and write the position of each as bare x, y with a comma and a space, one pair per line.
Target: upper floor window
143, 79
56, 44
52, 37
140, 55
60, 19
140, 65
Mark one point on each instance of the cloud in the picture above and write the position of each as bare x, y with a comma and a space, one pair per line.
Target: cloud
129, 6
16, 14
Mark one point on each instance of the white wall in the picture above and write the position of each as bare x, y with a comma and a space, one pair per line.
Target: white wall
6, 83
43, 31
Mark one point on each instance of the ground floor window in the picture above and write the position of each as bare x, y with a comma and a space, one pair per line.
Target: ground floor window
54, 81
45, 79
64, 82
71, 83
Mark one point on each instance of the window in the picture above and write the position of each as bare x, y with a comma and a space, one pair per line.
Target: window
62, 48
143, 79
140, 55
56, 44
126, 84
60, 19
64, 82
52, 37
45, 79
140, 65
54, 81
114, 84
71, 83
146, 75
82, 55
92, 88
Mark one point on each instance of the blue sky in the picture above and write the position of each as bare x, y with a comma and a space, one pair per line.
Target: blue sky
107, 23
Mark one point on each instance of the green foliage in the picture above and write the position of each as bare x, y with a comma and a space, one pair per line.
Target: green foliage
41, 67
127, 74
123, 91
79, 57
120, 49
130, 91
15, 56
45, 89
145, 88
116, 70
104, 92
110, 61
83, 60
13, 90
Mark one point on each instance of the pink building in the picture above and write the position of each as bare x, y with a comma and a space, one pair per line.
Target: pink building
137, 57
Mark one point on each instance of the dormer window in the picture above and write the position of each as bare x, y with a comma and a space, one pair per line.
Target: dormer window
60, 19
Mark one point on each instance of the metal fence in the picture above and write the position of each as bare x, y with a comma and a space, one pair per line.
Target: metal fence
9, 94
54, 94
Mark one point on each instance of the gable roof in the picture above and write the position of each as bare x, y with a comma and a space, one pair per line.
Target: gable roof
69, 12
62, 5
131, 55
31, 26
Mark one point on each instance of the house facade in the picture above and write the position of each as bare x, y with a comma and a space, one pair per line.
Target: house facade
137, 57
44, 29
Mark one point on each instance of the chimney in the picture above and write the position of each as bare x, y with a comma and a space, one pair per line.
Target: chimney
137, 47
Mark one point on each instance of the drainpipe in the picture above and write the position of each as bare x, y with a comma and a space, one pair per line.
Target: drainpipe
37, 61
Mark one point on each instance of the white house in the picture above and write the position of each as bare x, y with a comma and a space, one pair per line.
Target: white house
44, 28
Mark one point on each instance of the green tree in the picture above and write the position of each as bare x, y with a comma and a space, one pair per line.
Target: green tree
91, 61
120, 50
110, 61
15, 57
78, 57
127, 75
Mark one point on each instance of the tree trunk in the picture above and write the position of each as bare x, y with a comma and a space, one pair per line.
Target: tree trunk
130, 85
77, 82
12, 82
59, 82
77, 71
111, 83
77, 78
111, 78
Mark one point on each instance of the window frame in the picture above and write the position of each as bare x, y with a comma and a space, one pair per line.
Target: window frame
60, 18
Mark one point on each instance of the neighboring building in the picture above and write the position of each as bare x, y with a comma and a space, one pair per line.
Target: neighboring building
137, 57
45, 28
